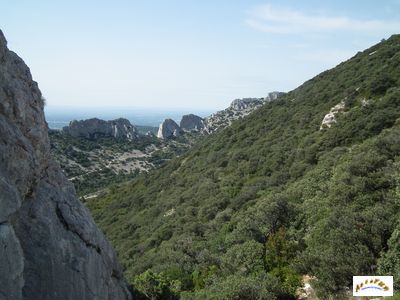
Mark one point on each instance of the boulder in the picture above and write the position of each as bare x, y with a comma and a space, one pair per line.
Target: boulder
330, 118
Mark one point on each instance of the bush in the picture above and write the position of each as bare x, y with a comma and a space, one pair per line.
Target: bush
157, 286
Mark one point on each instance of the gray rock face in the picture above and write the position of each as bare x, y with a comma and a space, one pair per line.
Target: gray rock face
50, 247
191, 122
239, 108
273, 96
95, 128
241, 104
168, 129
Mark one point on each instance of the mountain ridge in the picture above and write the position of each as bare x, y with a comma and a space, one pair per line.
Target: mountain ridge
238, 108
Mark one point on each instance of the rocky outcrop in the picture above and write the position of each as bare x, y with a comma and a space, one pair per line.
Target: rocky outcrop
238, 109
168, 129
192, 122
330, 118
252, 103
245, 103
221, 119
95, 128
50, 247
273, 96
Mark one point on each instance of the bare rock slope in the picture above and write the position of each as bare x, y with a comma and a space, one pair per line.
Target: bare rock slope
50, 247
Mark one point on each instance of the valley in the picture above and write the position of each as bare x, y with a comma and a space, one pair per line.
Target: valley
200, 150
93, 159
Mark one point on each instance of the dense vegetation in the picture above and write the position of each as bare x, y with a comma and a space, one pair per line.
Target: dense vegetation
249, 210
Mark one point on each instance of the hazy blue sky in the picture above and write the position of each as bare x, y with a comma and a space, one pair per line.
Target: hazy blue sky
186, 54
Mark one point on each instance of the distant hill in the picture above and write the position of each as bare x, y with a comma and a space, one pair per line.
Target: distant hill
306, 185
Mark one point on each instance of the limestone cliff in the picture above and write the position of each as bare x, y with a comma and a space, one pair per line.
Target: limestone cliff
191, 122
219, 120
168, 129
50, 247
94, 128
245, 103
238, 109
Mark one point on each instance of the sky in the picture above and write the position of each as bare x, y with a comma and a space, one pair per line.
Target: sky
186, 54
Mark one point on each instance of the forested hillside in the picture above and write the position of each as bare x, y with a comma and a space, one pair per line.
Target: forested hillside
250, 209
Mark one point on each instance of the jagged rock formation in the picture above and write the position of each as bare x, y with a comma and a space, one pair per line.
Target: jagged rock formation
241, 104
273, 96
221, 119
330, 118
50, 247
192, 122
238, 109
94, 128
168, 129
